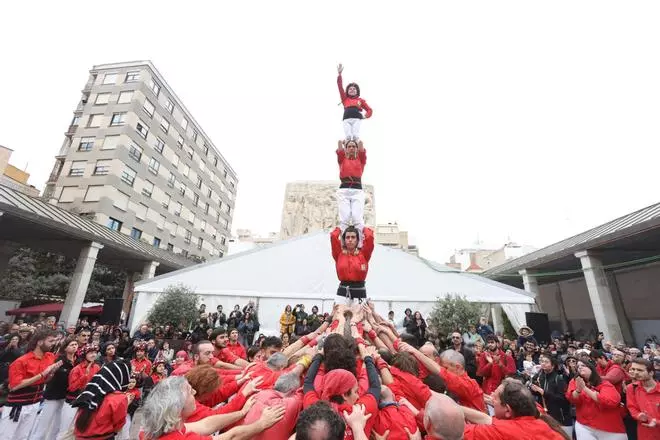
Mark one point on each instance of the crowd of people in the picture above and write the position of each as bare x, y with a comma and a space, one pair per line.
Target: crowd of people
347, 374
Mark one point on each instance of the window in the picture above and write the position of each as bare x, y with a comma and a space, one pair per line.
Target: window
148, 108
160, 145
206, 150
136, 233
110, 142
184, 123
175, 161
125, 97
169, 105
194, 135
118, 119
114, 224
134, 151
156, 242
120, 201
182, 189
94, 121
77, 168
191, 218
142, 129
110, 78
132, 77
170, 247
228, 209
184, 253
93, 193
164, 125
215, 161
186, 170
202, 166
206, 208
148, 189
102, 167
190, 152
171, 181
202, 225
154, 166
199, 182
209, 193
128, 176
166, 202
86, 144
177, 209
102, 98
161, 221
195, 199
200, 243
223, 239
179, 141
188, 236
68, 194
76, 120
140, 210
154, 86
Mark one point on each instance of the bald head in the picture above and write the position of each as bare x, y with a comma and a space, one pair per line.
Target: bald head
443, 418
428, 350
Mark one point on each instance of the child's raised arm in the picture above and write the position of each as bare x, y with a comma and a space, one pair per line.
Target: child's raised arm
340, 83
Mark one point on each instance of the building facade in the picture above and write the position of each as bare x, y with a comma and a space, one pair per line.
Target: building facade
391, 235
134, 159
14, 177
312, 206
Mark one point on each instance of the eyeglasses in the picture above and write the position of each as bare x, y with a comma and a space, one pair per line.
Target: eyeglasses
456, 337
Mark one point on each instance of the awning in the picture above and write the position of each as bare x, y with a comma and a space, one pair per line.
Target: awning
52, 308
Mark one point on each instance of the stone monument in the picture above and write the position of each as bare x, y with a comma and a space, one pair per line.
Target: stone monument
311, 206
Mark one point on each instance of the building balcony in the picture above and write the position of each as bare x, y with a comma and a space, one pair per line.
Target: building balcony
71, 130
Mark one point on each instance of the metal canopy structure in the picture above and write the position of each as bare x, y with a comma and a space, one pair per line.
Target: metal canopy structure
632, 238
32, 222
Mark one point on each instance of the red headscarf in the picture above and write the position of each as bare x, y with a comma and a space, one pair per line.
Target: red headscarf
337, 383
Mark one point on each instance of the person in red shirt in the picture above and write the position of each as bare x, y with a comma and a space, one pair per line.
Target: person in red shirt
165, 412
223, 354
608, 370
516, 416
103, 404
597, 404
352, 264
353, 107
27, 378
352, 158
140, 365
158, 372
643, 399
393, 420
79, 377
234, 346
494, 365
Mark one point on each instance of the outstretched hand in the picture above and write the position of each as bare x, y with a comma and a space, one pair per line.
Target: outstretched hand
340, 68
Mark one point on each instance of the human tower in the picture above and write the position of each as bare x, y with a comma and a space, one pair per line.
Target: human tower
351, 242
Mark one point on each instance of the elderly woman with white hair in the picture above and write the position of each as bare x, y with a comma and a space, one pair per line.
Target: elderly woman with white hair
173, 399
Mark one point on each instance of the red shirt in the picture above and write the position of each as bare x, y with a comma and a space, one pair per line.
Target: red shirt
493, 372
228, 388
362, 378
352, 267
370, 407
108, 419
157, 378
143, 366
395, 418
409, 386
25, 367
355, 101
466, 389
614, 374
281, 430
237, 350
520, 428
351, 167
79, 377
224, 355
181, 435
641, 401
604, 414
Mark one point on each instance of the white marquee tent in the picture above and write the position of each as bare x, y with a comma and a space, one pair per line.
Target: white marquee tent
301, 270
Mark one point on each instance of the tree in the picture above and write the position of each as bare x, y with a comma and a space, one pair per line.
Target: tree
177, 305
453, 313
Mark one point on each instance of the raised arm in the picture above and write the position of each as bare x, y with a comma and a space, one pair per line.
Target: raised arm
368, 246
340, 83
335, 243
362, 153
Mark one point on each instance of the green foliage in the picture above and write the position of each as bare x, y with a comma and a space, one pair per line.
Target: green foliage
453, 313
178, 305
33, 275
509, 331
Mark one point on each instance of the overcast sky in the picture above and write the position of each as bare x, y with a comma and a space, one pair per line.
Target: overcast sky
516, 119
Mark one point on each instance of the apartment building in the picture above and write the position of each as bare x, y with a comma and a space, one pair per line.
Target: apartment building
134, 159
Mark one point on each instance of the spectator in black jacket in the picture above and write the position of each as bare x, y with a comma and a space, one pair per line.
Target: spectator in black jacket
457, 344
549, 388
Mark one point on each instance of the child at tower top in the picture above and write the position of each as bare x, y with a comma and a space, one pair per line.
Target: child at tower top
353, 107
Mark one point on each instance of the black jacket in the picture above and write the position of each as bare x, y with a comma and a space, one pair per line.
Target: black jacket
554, 399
